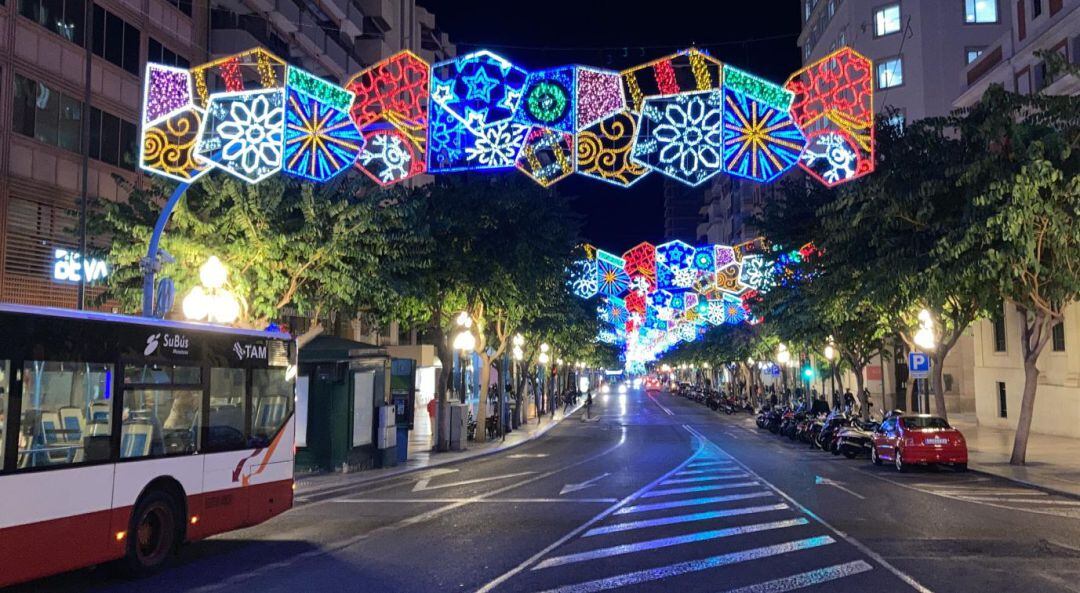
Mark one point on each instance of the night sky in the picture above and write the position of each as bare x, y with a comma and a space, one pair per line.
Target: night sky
757, 35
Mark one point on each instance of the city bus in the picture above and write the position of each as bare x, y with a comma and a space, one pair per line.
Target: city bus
124, 437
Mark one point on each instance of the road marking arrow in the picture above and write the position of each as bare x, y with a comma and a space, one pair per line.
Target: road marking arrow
838, 485
422, 485
583, 485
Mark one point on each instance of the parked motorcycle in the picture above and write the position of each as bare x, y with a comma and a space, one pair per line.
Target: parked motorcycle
857, 439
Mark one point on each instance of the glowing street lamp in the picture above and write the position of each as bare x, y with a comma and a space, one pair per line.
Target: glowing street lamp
830, 354
211, 301
924, 337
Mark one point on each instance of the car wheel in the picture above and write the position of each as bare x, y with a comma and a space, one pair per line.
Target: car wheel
873, 456
960, 467
153, 534
899, 460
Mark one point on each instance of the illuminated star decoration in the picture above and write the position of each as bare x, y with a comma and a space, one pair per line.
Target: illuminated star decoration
479, 89
760, 142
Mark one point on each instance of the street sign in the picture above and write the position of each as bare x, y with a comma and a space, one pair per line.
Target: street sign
918, 365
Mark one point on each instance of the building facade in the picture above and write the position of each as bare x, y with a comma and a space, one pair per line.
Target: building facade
71, 70
681, 206
1017, 62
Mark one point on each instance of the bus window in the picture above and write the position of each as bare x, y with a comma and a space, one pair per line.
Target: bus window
225, 418
4, 367
162, 375
61, 421
160, 422
271, 401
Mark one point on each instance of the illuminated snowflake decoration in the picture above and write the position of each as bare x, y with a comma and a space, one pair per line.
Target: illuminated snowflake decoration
497, 145
242, 133
682, 136
756, 273
833, 157
686, 277
387, 157
584, 280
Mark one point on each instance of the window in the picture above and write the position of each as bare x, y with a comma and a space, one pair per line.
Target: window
45, 114
225, 418
65, 413
918, 422
161, 411
63, 17
115, 40
980, 11
973, 53
271, 403
841, 41
5, 367
1003, 403
1058, 337
158, 53
887, 20
183, 5
112, 140
890, 73
832, 8
999, 332
1036, 8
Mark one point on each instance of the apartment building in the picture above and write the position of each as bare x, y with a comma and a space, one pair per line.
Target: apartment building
72, 70
1016, 61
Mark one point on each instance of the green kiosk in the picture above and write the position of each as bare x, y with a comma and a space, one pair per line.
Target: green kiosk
344, 416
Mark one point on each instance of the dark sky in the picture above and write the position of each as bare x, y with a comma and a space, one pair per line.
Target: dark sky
754, 35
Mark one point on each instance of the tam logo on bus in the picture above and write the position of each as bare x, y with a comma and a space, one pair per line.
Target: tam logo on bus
249, 351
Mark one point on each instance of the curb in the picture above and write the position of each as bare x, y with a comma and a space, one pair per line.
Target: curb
408, 470
1028, 483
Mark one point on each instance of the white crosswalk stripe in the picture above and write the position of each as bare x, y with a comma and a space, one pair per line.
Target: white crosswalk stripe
681, 520
1014, 498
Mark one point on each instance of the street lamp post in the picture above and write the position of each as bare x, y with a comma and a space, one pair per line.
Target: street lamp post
924, 338
464, 342
543, 359
519, 354
830, 354
783, 357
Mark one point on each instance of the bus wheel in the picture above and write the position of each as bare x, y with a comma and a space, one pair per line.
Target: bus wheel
153, 534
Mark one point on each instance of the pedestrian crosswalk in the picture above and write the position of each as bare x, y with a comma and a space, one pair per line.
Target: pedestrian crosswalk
709, 525
986, 492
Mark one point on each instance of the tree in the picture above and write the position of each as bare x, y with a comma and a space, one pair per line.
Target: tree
498, 249
1025, 197
288, 245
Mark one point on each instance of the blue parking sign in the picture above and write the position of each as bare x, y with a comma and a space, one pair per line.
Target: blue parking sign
918, 365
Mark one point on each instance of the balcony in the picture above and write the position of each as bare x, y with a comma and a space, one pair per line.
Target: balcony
381, 14
232, 33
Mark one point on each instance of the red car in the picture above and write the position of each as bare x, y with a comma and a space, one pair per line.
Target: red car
652, 384
918, 439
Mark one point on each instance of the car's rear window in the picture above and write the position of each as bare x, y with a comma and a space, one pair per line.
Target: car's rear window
920, 422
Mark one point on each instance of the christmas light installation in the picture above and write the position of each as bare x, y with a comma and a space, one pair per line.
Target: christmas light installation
242, 133
604, 151
641, 266
584, 278
391, 104
599, 95
480, 88
611, 273
686, 115
682, 136
689, 70
761, 142
321, 139
550, 100
548, 156
834, 105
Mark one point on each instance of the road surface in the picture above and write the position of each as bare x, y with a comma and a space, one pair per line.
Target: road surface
659, 494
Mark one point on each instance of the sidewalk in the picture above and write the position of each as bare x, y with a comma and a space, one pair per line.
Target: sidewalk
422, 457
1053, 462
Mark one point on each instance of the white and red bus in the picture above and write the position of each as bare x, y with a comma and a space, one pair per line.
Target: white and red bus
123, 437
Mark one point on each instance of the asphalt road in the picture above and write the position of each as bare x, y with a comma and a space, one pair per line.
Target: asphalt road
659, 494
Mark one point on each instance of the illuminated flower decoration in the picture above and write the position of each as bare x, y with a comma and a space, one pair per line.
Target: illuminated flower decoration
242, 133
756, 273
682, 136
